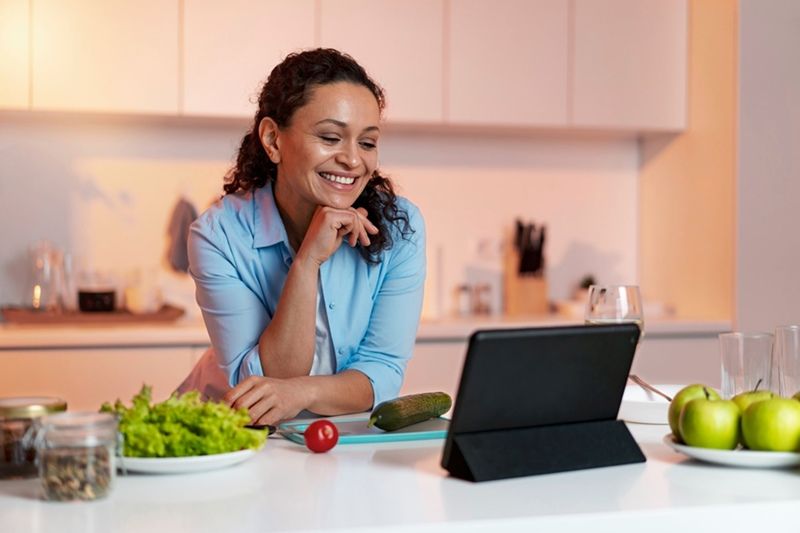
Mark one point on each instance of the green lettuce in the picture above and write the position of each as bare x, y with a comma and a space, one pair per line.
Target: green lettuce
182, 425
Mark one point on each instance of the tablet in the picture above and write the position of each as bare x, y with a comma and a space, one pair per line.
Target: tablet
519, 379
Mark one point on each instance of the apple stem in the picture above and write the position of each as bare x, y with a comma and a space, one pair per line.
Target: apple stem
758, 383
705, 391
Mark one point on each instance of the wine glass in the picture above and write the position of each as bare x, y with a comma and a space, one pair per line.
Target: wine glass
615, 304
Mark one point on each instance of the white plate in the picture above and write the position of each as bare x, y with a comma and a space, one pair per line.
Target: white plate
182, 465
644, 407
738, 457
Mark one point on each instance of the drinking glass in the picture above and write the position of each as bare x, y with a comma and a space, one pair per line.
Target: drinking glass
787, 359
615, 304
746, 362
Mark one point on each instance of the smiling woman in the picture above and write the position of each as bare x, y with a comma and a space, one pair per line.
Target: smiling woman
298, 320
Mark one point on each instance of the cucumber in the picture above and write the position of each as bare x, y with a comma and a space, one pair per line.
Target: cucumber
412, 409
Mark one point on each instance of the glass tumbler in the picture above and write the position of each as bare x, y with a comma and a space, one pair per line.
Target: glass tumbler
746, 362
787, 359
76, 454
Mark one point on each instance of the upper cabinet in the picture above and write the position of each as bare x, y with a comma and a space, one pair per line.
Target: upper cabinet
14, 54
231, 47
399, 43
558, 64
630, 64
112, 56
508, 62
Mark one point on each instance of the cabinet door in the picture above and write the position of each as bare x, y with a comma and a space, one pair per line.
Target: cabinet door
678, 360
435, 366
231, 47
508, 62
399, 43
111, 56
630, 64
86, 378
14, 54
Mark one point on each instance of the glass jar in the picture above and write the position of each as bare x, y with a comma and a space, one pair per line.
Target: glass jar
17, 415
76, 455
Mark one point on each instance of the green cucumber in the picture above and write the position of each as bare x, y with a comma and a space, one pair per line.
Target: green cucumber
412, 409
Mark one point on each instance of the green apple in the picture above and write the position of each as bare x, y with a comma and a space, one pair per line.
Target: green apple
746, 399
686, 394
709, 423
796, 396
772, 425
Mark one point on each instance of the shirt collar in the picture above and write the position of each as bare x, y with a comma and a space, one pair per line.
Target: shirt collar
268, 225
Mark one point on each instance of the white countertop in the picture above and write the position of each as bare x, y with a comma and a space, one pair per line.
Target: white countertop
193, 332
401, 487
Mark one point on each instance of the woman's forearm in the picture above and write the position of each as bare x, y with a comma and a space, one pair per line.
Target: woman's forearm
286, 346
349, 391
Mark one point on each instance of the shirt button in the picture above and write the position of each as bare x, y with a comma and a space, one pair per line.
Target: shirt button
331, 305
341, 351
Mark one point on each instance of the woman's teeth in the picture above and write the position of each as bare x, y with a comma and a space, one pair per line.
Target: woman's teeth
337, 179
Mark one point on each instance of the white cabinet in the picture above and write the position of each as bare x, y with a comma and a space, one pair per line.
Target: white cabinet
508, 62
678, 359
231, 47
87, 377
112, 56
435, 366
630, 64
14, 54
399, 43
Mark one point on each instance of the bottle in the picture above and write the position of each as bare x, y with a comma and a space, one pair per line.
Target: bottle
17, 417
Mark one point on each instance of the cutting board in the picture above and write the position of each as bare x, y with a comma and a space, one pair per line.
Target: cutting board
354, 430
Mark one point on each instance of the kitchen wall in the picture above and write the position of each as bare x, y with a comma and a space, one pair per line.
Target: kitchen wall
103, 188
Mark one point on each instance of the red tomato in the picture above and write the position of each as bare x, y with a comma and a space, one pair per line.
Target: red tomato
321, 436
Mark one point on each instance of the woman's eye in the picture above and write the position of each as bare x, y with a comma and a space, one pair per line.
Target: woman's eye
329, 139
368, 145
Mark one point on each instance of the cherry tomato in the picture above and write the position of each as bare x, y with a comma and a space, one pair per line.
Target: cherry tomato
321, 436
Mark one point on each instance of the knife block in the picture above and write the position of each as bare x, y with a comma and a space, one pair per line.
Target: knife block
523, 295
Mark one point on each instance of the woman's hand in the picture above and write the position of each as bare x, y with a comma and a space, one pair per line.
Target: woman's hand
269, 400
328, 228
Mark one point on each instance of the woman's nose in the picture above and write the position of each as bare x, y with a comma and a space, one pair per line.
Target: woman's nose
348, 155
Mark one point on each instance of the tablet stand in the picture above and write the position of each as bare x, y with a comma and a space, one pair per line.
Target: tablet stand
500, 454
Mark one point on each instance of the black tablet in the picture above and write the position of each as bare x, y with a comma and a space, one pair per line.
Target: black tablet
542, 385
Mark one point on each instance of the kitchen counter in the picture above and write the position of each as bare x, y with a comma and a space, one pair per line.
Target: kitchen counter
401, 487
193, 332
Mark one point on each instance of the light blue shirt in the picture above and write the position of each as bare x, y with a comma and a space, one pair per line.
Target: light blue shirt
239, 257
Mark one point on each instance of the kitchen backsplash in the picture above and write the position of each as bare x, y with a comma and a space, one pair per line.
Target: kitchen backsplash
104, 188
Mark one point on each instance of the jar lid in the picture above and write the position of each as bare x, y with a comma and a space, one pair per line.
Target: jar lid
30, 406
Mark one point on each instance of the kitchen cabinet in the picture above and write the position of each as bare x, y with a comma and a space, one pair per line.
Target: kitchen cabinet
508, 62
231, 47
87, 377
399, 43
14, 54
630, 64
113, 56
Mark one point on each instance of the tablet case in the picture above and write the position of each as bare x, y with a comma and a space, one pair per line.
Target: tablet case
541, 400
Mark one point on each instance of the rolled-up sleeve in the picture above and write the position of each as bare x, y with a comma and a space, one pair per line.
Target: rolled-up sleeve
233, 313
389, 341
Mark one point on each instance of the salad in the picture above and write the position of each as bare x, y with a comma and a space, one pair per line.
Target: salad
182, 426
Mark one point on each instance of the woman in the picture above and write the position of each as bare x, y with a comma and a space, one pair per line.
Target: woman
309, 271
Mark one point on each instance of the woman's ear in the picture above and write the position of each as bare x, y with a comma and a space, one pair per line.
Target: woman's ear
268, 134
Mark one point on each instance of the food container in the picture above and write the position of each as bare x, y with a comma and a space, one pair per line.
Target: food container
76, 455
96, 301
17, 416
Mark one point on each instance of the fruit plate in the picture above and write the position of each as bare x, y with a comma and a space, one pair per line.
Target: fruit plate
643, 407
739, 457
182, 465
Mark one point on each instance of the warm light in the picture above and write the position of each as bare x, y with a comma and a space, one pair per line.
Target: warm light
37, 296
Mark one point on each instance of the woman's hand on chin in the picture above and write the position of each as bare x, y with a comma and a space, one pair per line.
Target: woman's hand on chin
269, 400
329, 226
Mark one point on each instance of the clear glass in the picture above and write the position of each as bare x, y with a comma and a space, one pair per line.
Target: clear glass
746, 362
76, 455
615, 304
787, 359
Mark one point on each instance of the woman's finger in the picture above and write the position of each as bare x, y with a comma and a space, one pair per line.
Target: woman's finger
370, 227
235, 393
261, 408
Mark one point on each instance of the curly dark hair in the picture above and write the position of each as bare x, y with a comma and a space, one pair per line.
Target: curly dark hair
287, 89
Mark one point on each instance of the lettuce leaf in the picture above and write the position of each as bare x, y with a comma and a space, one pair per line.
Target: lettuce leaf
181, 426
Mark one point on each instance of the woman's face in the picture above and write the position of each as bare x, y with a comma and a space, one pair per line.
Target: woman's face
329, 150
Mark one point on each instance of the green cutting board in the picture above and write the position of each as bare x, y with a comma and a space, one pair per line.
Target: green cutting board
354, 430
